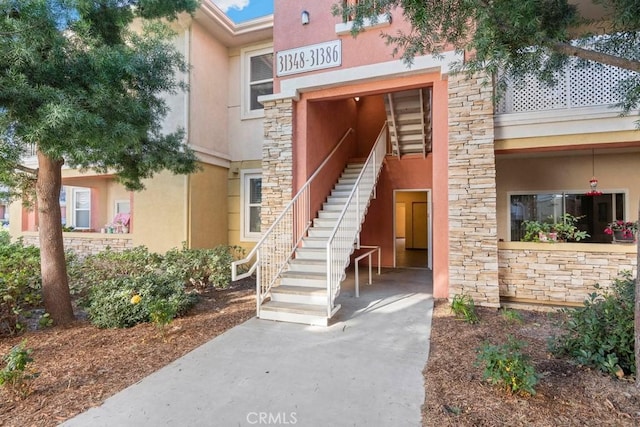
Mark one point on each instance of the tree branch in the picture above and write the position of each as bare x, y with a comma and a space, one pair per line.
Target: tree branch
30, 171
592, 55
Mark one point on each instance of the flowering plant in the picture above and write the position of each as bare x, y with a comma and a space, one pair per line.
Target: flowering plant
628, 228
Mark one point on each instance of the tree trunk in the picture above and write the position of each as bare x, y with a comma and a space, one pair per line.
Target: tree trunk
55, 284
637, 314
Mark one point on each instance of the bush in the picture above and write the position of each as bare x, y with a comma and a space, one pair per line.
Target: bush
601, 333
15, 376
202, 267
20, 284
106, 265
507, 366
464, 307
123, 302
5, 238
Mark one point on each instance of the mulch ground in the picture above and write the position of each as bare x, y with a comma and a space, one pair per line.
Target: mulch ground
80, 365
567, 395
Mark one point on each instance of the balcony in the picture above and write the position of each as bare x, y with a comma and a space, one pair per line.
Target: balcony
582, 101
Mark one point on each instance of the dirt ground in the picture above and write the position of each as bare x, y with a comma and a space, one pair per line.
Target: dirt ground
80, 366
567, 395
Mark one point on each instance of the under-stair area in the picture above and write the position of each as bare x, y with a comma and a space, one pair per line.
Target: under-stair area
409, 119
302, 294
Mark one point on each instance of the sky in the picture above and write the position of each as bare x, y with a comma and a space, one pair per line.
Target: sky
245, 10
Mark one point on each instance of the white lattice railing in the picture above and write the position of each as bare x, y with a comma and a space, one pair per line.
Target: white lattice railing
270, 256
347, 230
576, 87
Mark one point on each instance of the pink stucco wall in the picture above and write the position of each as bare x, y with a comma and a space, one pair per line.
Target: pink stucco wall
367, 48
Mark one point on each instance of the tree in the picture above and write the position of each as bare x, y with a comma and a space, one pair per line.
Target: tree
78, 86
512, 39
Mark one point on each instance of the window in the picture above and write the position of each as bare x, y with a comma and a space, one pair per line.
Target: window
595, 212
82, 208
122, 206
258, 80
251, 199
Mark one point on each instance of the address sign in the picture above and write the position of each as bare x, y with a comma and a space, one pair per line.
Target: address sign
309, 58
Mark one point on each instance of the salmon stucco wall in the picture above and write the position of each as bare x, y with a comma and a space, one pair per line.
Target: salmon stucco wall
319, 127
367, 48
406, 174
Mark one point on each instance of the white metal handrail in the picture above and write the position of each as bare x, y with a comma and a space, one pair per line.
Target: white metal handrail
347, 230
277, 245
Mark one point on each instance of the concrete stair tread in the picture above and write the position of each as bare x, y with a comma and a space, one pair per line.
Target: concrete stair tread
300, 290
304, 275
292, 307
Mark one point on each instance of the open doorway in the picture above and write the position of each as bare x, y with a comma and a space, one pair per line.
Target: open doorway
412, 229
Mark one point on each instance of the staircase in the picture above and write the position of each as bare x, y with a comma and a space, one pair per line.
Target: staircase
409, 118
300, 262
302, 294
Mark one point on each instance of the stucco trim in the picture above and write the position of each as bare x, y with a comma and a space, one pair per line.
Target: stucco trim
212, 157
364, 73
383, 20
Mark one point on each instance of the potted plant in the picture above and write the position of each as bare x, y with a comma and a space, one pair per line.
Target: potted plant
622, 231
565, 230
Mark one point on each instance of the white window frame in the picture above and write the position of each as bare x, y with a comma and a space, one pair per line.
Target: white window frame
245, 75
245, 176
75, 192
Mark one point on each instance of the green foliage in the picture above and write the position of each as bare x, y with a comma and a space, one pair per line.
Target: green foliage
464, 307
512, 316
564, 230
128, 300
5, 238
108, 264
507, 366
16, 377
512, 39
601, 333
162, 313
97, 99
201, 267
20, 285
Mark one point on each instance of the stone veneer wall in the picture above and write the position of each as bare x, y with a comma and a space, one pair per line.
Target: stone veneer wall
560, 274
88, 244
473, 242
277, 159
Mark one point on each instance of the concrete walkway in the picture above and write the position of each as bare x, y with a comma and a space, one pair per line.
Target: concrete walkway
364, 370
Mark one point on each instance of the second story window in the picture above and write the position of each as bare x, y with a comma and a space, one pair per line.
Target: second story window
258, 80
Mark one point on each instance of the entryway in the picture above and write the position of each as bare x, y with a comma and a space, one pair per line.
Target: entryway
412, 229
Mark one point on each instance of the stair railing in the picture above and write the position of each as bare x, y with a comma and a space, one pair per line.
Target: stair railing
276, 247
347, 229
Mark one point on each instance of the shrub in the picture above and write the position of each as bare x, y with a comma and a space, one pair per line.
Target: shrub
15, 375
463, 307
511, 316
20, 284
507, 366
601, 333
107, 265
202, 267
5, 238
126, 301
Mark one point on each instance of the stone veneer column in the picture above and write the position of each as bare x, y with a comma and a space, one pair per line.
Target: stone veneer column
473, 242
277, 159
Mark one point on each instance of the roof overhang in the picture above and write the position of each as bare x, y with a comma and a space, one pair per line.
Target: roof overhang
229, 33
